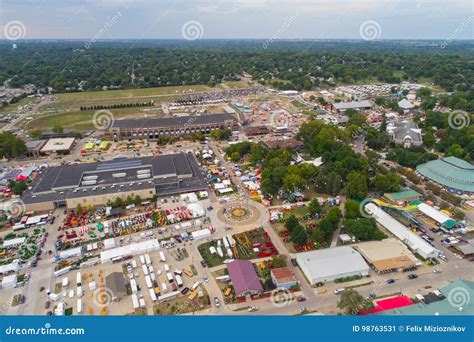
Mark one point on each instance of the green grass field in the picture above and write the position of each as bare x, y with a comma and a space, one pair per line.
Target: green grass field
130, 93
82, 120
14, 106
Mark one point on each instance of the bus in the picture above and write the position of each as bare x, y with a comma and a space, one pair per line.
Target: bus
133, 285
162, 256
149, 284
147, 259
152, 295
169, 275
78, 279
145, 270
179, 281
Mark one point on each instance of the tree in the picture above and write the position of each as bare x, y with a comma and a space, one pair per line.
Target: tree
352, 209
291, 222
352, 302
389, 182
314, 206
36, 134
235, 156
326, 228
299, 236
357, 185
11, 146
364, 229
278, 261
17, 187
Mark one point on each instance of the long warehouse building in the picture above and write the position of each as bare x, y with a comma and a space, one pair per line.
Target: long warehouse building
97, 183
412, 240
149, 128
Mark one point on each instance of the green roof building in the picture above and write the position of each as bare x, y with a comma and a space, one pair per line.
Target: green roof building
458, 300
451, 172
404, 195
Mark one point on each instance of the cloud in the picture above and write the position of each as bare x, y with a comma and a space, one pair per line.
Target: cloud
237, 18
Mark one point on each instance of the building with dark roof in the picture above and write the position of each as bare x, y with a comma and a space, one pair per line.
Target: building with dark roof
405, 133
115, 282
244, 278
453, 173
33, 148
97, 183
341, 107
153, 128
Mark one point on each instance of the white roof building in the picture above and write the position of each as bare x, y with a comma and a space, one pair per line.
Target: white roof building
9, 281
132, 249
14, 242
331, 263
405, 104
431, 212
412, 240
13, 266
343, 106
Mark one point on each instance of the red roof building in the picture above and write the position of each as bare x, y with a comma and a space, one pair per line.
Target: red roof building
389, 304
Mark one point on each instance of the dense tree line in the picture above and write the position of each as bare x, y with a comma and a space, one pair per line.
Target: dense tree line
68, 66
11, 146
119, 105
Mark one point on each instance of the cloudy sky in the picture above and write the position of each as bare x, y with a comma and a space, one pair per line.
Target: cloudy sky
293, 19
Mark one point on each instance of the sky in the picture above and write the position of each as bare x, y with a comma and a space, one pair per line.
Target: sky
233, 19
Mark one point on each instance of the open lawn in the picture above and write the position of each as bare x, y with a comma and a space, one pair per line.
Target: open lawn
242, 249
233, 84
130, 93
14, 106
82, 120
182, 304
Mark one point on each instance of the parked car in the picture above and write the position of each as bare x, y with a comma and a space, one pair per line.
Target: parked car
300, 298
252, 308
217, 302
47, 304
390, 281
436, 270
203, 263
339, 290
304, 310
412, 276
